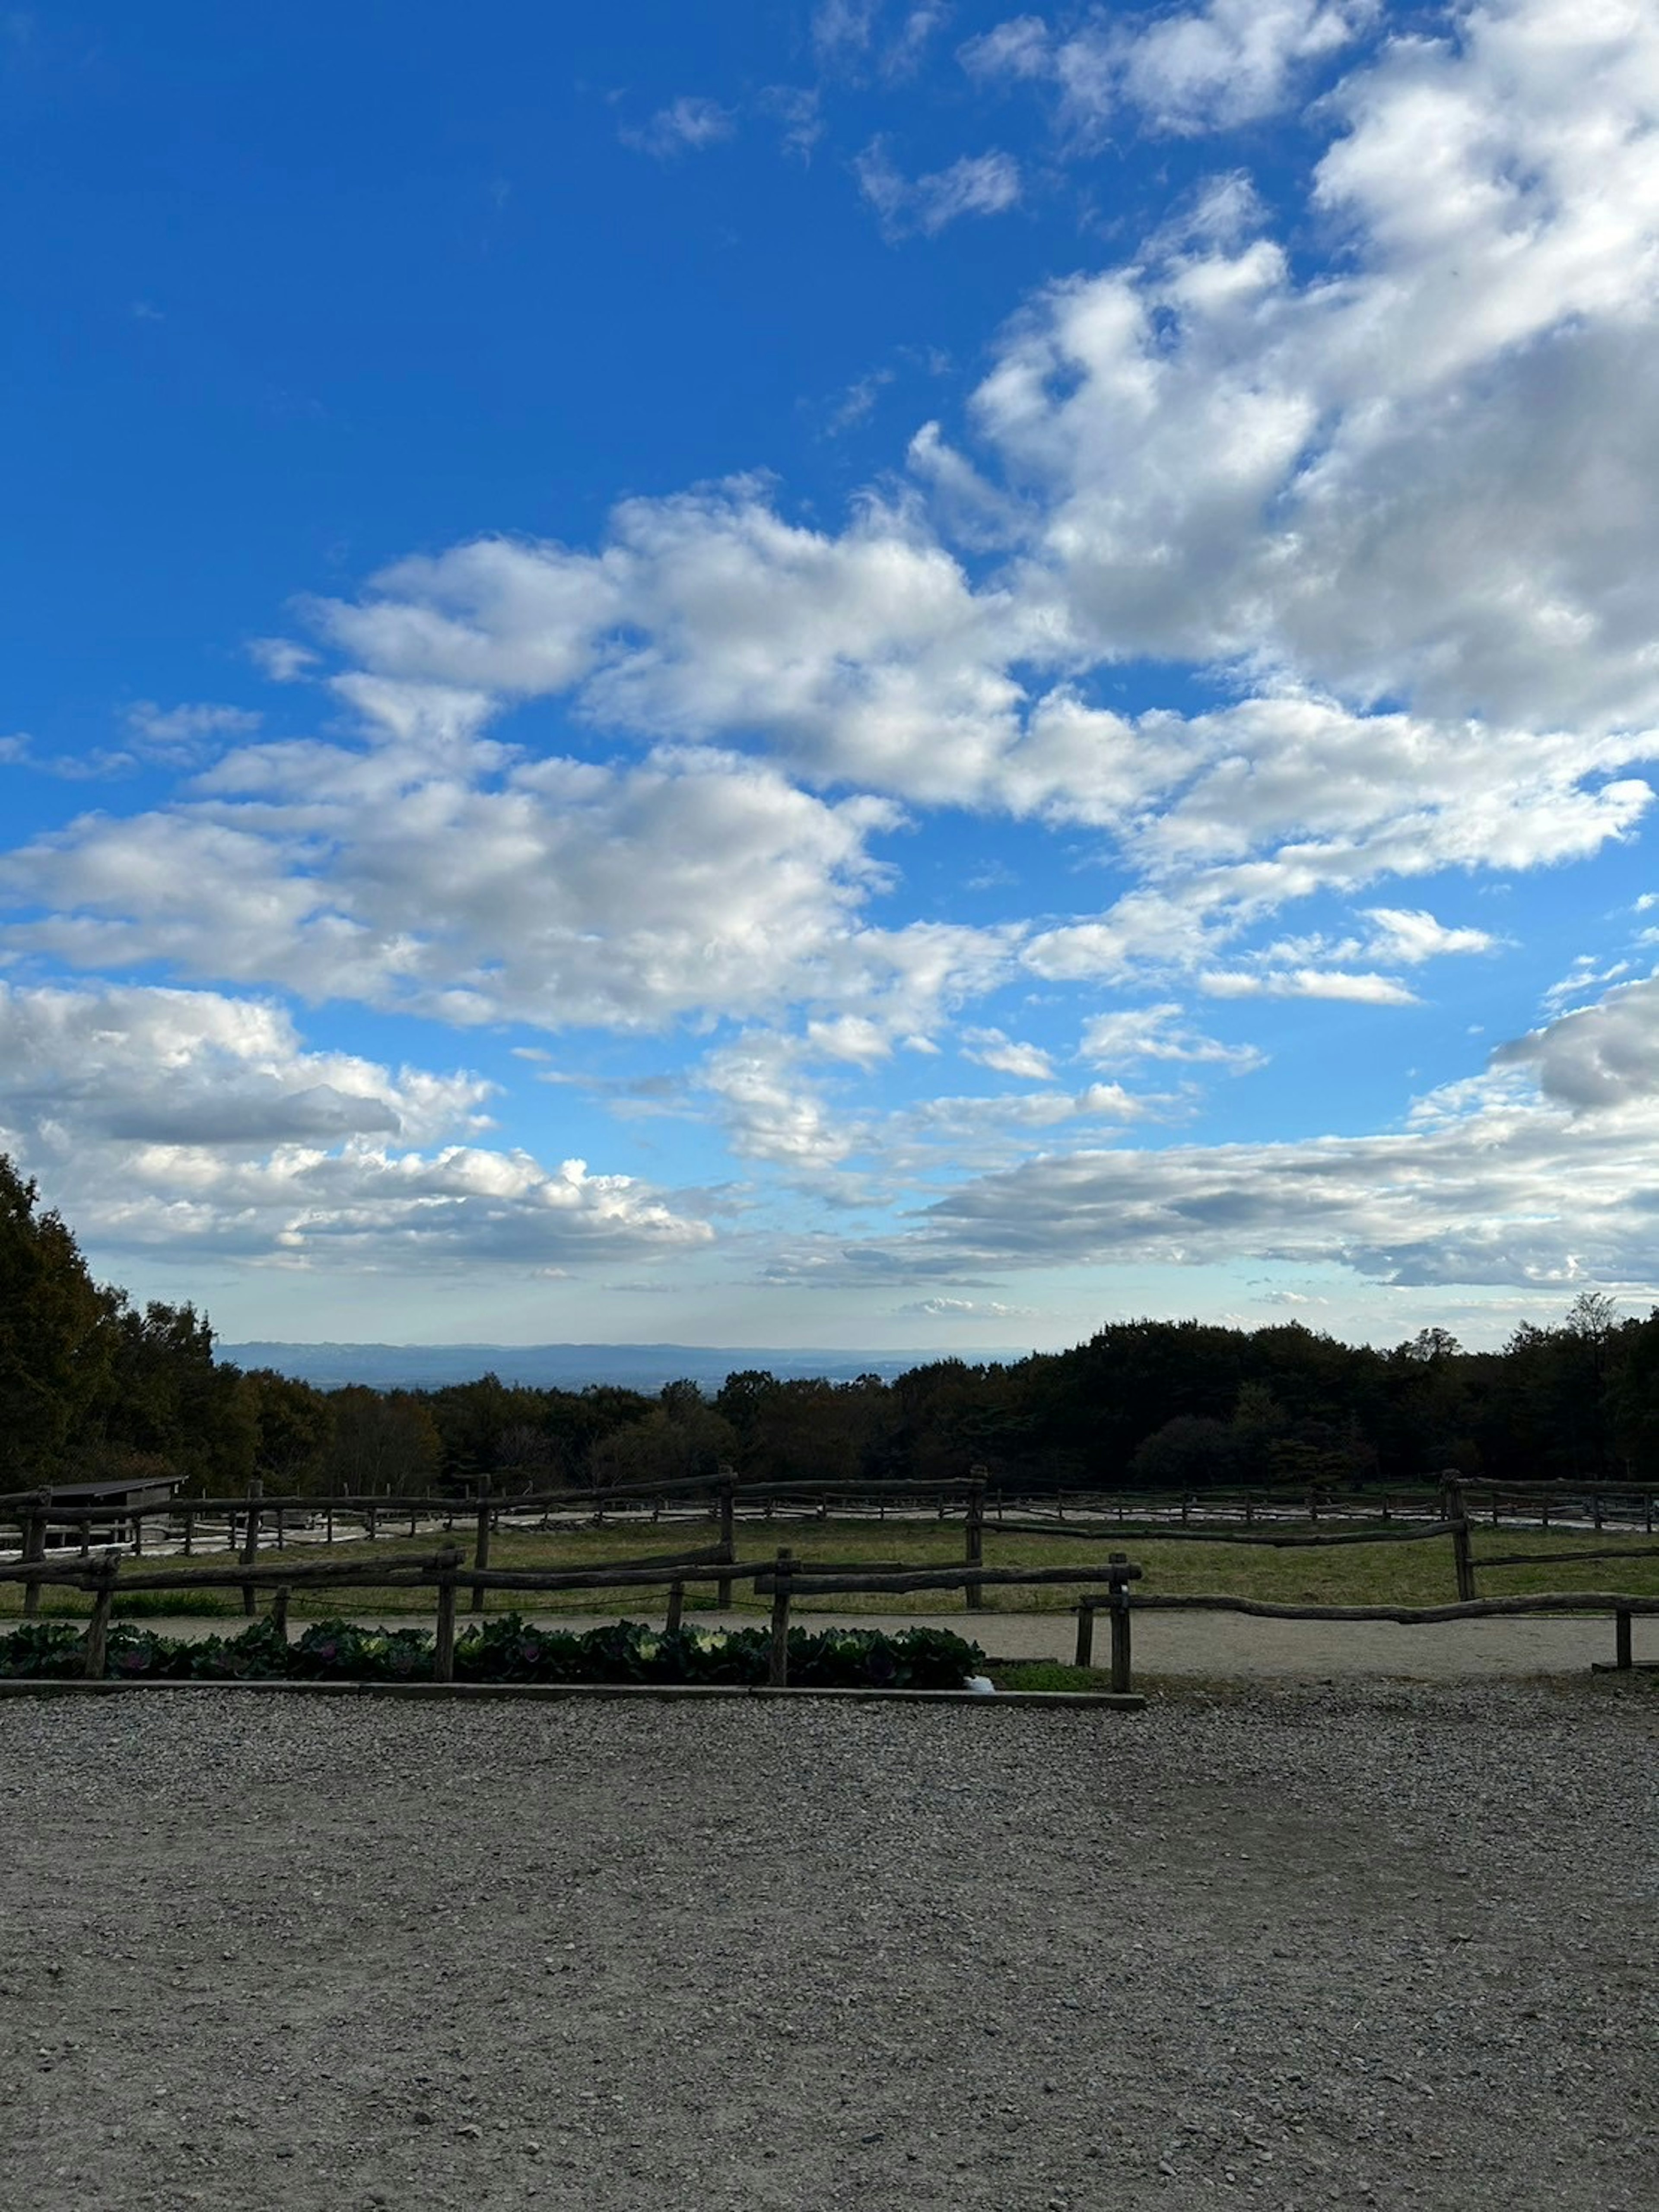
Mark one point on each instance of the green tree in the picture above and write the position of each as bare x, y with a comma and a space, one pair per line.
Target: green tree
54, 1337
166, 1404
293, 1427
378, 1441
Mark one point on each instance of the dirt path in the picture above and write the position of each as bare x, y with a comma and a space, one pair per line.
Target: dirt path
1382, 1948
1208, 1644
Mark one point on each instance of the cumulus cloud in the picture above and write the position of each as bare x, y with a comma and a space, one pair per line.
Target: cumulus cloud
1209, 68
1376, 537
192, 1120
1413, 476
566, 895
1604, 1055
770, 1111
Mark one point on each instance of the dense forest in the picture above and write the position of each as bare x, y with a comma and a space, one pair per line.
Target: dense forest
93, 1387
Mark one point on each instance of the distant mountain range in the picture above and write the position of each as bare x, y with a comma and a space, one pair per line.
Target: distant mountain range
568, 1366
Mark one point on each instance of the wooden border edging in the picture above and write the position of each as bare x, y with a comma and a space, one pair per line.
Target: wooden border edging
49, 1686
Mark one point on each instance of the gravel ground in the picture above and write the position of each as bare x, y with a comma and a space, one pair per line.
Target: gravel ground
1379, 1945
1205, 1644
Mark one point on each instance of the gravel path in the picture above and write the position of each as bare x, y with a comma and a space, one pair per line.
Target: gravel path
1373, 1946
1211, 1646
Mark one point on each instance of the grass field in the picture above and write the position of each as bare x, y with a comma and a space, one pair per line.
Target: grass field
1419, 1573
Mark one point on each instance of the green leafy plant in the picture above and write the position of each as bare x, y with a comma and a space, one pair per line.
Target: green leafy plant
341, 1650
43, 1648
507, 1648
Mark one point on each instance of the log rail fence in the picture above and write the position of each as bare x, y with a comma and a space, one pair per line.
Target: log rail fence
248, 1518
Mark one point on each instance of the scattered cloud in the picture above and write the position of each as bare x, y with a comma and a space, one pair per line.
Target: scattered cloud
1158, 1033
281, 658
1211, 68
184, 735
966, 1310
689, 124
1495, 1182
976, 185
1368, 990
991, 1048
798, 111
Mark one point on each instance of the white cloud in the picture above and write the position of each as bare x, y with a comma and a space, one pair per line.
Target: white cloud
841, 28
1158, 1032
1604, 1055
1363, 989
1494, 1181
991, 1048
1210, 69
770, 1111
799, 112
1409, 478
908, 46
566, 893
184, 735
977, 184
966, 1309
689, 124
179, 1121
1408, 934
281, 658
1022, 47
1231, 63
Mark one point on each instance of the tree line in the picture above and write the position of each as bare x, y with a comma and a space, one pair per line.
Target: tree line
94, 1387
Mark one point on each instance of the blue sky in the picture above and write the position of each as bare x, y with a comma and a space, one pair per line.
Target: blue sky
870, 675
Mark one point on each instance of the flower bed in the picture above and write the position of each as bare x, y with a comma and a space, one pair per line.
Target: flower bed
507, 1649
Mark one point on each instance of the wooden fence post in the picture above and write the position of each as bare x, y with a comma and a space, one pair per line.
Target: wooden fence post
279, 1598
190, 1530
481, 1548
256, 1491
1622, 1658
1086, 1632
1453, 1509
137, 1534
675, 1609
98, 1627
778, 1666
728, 1553
34, 1549
443, 1642
973, 1596
1118, 1600
282, 1528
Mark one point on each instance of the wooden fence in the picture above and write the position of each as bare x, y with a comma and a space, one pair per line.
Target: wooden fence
444, 1573
253, 1521
783, 1579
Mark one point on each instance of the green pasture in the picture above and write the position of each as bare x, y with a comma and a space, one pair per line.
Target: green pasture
1389, 1573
